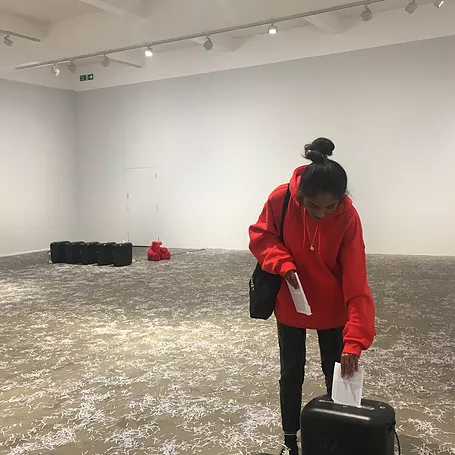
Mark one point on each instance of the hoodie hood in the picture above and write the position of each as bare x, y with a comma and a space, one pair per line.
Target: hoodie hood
294, 185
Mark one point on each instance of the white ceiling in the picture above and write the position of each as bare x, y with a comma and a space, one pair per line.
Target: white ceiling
46, 11
68, 28
53, 11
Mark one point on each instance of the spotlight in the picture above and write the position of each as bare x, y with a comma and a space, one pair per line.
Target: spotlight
439, 3
148, 52
72, 67
367, 15
7, 41
208, 45
105, 62
412, 6
273, 29
55, 71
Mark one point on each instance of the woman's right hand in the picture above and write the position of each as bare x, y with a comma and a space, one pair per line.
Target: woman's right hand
291, 278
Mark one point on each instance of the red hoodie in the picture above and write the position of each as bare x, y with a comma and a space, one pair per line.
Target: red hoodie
333, 276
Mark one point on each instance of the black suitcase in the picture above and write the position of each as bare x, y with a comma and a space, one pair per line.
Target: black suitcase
89, 253
58, 252
106, 253
329, 428
123, 254
73, 252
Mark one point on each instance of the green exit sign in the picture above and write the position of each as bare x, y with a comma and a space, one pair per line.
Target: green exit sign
86, 77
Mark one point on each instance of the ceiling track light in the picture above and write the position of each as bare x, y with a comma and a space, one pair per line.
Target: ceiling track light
10, 34
411, 7
197, 36
55, 71
148, 52
7, 41
72, 67
439, 3
208, 45
106, 61
273, 29
367, 14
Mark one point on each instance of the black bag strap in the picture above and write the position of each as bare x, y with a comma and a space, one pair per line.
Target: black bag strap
287, 197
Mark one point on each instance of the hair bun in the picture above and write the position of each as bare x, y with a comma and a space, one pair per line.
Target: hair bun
319, 150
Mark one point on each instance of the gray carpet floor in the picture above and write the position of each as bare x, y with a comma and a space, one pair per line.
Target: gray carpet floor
161, 358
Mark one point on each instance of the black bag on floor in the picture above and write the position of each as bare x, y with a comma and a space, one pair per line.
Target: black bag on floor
264, 286
345, 430
106, 253
73, 252
89, 253
123, 254
58, 252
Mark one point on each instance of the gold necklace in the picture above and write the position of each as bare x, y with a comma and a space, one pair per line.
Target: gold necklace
309, 235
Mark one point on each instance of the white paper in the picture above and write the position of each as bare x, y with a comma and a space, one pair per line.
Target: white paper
348, 392
298, 296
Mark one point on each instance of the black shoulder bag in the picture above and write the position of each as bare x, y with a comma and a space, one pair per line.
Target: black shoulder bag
264, 286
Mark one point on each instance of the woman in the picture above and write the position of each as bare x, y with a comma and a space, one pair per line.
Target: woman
323, 245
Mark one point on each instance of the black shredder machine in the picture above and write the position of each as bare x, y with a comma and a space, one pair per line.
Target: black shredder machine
329, 428
89, 253
58, 252
73, 252
106, 253
122, 254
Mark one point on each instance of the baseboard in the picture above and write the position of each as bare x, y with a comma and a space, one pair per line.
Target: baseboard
23, 252
427, 255
369, 253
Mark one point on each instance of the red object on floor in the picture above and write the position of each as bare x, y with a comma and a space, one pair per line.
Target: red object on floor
156, 247
152, 256
157, 253
154, 252
165, 254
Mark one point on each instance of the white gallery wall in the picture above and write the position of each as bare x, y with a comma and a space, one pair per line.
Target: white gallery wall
198, 155
37, 167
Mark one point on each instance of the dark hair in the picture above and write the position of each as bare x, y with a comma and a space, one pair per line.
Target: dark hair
322, 175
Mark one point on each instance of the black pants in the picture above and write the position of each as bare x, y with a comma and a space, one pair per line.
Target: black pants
292, 358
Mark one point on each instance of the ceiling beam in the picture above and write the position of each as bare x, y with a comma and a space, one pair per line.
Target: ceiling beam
22, 27
135, 58
138, 8
330, 23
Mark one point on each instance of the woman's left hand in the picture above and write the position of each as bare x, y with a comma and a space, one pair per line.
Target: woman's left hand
349, 365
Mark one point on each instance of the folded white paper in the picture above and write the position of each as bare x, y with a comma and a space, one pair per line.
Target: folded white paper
299, 298
348, 392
